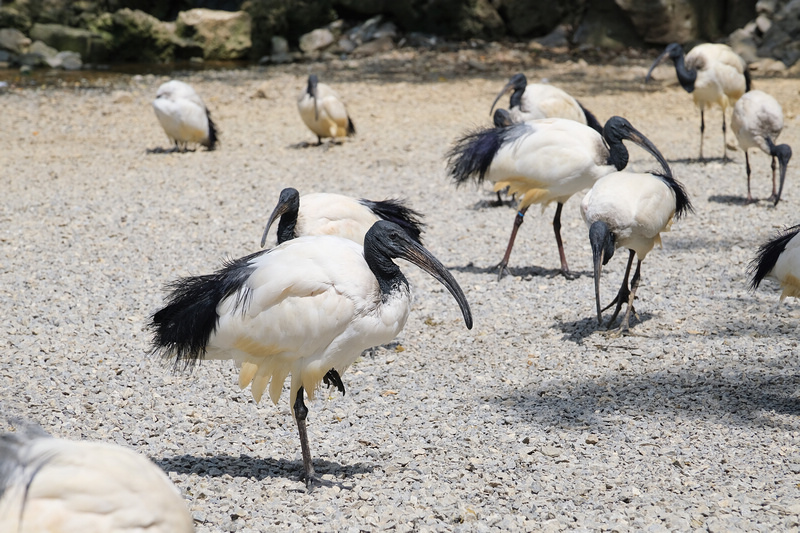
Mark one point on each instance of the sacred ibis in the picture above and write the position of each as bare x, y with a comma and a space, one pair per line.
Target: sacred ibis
540, 100
779, 259
184, 116
714, 74
323, 111
757, 121
64, 486
336, 214
308, 307
630, 210
544, 161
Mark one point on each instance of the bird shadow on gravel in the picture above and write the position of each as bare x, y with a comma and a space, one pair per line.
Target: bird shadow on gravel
698, 161
578, 331
245, 466
514, 272
729, 199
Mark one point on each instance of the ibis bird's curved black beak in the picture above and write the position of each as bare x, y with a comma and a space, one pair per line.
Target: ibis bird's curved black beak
602, 241
657, 62
784, 153
639, 138
508, 87
288, 204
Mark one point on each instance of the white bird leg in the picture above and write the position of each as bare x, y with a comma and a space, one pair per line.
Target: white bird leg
557, 229
503, 264
300, 414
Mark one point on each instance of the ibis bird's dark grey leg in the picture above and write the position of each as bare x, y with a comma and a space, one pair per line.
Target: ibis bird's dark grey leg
333, 379
724, 138
557, 229
634, 285
518, 220
319, 140
702, 131
623, 294
774, 189
747, 167
300, 414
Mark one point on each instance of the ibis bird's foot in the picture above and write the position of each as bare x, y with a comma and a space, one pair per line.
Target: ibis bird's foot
502, 269
569, 274
750, 200
333, 379
773, 198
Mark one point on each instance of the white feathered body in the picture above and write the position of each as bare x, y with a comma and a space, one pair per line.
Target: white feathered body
334, 214
546, 101
720, 75
756, 116
330, 118
182, 113
787, 269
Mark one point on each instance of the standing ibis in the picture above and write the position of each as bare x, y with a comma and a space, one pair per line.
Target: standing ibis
323, 111
308, 307
337, 214
779, 259
714, 74
630, 210
757, 121
184, 116
63, 486
540, 100
544, 161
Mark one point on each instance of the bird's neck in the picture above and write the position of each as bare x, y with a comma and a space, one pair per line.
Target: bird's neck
516, 98
617, 154
686, 77
388, 274
287, 225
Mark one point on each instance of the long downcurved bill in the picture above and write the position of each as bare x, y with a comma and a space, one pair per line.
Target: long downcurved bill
598, 267
784, 162
508, 86
415, 253
658, 60
639, 138
279, 210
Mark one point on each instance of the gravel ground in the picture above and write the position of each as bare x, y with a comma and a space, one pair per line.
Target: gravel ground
534, 420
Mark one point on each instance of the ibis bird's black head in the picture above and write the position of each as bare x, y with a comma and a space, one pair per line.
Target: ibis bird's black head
386, 241
686, 77
783, 153
311, 89
603, 245
518, 82
287, 209
502, 118
618, 129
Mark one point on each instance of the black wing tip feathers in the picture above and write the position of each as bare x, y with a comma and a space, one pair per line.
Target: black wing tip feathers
471, 155
768, 254
396, 211
351, 128
591, 119
213, 133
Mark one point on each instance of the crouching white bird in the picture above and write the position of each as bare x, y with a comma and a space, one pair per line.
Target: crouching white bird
308, 307
323, 111
757, 121
713, 74
544, 161
540, 100
63, 486
779, 259
336, 214
630, 210
184, 116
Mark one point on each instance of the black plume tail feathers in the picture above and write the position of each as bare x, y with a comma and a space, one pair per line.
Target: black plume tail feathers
395, 211
768, 254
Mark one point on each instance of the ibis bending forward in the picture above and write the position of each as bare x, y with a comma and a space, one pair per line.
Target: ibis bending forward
540, 100
757, 121
543, 161
184, 116
714, 74
323, 111
308, 308
62, 486
779, 259
629, 210
336, 214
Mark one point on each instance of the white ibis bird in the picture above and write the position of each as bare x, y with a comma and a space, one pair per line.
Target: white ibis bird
63, 486
713, 74
184, 116
540, 100
779, 259
544, 161
630, 210
323, 111
308, 307
337, 214
757, 121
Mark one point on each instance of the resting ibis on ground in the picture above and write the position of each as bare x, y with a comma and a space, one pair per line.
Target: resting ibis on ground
323, 111
63, 486
630, 210
184, 116
779, 259
337, 214
714, 74
757, 121
308, 307
543, 161
540, 100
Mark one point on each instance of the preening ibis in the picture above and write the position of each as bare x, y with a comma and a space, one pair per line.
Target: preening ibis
779, 259
184, 116
630, 210
62, 486
714, 74
543, 161
337, 214
540, 100
323, 111
308, 307
757, 121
